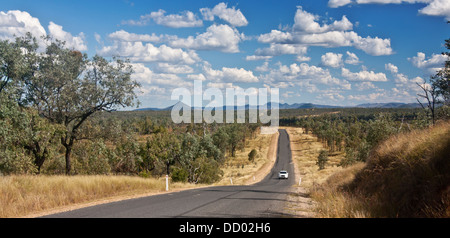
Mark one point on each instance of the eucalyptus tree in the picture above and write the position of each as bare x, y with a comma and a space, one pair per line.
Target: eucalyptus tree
68, 88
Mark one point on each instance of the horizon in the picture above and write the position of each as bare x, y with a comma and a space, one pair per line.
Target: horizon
323, 52
289, 104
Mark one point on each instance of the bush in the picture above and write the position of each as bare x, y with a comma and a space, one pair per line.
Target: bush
179, 175
252, 155
322, 159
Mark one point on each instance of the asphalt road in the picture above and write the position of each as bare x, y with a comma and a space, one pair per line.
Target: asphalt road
264, 199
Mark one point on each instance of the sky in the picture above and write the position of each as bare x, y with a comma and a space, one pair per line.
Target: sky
334, 52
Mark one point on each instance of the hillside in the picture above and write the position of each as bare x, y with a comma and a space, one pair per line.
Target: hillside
406, 175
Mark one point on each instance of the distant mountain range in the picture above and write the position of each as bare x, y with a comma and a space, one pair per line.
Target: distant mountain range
389, 105
307, 105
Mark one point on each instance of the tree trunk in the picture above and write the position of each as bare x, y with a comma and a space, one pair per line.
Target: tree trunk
68, 164
168, 168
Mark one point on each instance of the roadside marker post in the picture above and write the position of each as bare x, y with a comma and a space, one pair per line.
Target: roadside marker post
167, 182
299, 181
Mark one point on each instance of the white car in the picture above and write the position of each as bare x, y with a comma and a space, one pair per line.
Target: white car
283, 174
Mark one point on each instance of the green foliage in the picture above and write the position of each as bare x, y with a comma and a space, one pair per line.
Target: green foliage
322, 159
179, 174
26, 139
125, 158
252, 155
91, 157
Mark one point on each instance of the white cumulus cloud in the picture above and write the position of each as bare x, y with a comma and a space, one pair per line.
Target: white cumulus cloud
217, 37
231, 15
430, 64
229, 75
307, 31
18, 23
185, 19
74, 42
364, 75
140, 52
331, 59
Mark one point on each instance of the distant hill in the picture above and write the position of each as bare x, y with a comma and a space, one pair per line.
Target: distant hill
281, 106
306, 105
389, 105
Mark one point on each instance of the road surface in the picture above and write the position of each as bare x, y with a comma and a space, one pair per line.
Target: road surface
264, 199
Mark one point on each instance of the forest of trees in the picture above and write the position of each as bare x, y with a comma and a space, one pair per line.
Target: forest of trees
57, 117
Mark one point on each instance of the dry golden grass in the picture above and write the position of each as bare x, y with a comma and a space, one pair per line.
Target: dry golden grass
243, 172
408, 175
305, 150
28, 195
333, 202
405, 176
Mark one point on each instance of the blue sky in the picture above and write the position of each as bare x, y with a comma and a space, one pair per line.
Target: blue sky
337, 52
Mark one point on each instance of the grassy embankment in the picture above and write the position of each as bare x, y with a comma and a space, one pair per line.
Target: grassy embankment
35, 195
405, 176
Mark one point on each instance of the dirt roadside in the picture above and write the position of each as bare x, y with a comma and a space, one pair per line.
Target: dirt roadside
299, 204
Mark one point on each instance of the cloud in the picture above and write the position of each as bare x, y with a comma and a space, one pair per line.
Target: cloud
432, 64
275, 36
122, 35
365, 86
229, 75
333, 96
217, 37
437, 8
338, 3
352, 58
257, 57
302, 75
230, 15
433, 7
173, 69
332, 60
364, 75
98, 38
139, 52
9, 20
390, 1
307, 22
307, 31
263, 68
74, 42
301, 58
185, 19
148, 78
281, 49
374, 46
200, 77
18, 23
391, 68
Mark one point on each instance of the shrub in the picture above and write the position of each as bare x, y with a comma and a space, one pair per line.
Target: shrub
322, 159
179, 175
252, 155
